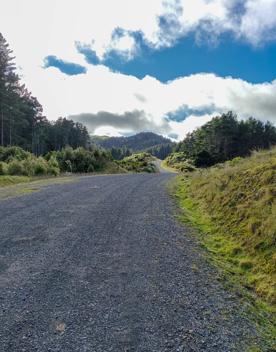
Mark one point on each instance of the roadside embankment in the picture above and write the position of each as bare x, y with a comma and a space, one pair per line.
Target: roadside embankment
234, 207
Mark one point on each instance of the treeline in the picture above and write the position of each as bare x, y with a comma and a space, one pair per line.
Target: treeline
120, 153
23, 124
136, 143
148, 142
56, 135
21, 116
161, 151
224, 138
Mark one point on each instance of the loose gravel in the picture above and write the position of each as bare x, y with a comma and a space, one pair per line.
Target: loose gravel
102, 265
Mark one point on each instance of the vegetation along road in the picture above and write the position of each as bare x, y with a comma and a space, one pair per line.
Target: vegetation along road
101, 264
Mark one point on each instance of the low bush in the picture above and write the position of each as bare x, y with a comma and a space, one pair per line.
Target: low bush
140, 162
179, 161
8, 154
53, 167
23, 163
80, 160
40, 167
3, 168
15, 161
15, 167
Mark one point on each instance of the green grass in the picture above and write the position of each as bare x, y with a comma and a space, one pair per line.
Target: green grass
13, 180
22, 185
233, 206
165, 166
112, 168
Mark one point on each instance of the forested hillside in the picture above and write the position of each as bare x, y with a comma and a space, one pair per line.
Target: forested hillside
137, 142
121, 147
223, 138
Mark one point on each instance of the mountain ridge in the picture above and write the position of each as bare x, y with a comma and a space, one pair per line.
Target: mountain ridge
137, 142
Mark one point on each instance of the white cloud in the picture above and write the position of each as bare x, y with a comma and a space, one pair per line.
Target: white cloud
191, 123
36, 29
258, 25
253, 21
109, 98
125, 45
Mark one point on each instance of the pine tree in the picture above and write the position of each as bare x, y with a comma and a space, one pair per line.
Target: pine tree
8, 84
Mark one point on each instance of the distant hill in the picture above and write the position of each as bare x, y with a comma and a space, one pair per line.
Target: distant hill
139, 142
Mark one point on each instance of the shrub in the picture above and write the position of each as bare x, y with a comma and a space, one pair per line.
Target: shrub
15, 167
180, 162
53, 167
40, 166
3, 168
81, 160
8, 154
185, 167
140, 162
91, 168
176, 158
68, 166
29, 166
53, 171
52, 162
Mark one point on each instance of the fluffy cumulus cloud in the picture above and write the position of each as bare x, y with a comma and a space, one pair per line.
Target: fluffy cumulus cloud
253, 21
65, 35
55, 26
102, 98
258, 25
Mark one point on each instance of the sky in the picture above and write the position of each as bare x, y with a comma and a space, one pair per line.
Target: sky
125, 66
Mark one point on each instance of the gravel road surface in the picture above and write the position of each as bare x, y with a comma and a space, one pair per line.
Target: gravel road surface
102, 265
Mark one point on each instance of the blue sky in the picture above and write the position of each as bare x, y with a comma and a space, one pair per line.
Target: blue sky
227, 57
128, 66
68, 68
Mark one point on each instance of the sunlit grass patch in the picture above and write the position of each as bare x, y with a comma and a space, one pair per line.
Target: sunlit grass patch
12, 180
233, 205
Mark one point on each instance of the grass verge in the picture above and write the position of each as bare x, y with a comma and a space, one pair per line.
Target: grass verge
232, 207
165, 166
13, 180
20, 185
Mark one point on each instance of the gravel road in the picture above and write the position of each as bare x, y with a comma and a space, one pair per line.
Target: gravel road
102, 265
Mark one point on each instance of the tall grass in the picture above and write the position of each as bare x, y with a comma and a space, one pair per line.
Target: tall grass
235, 206
12, 180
